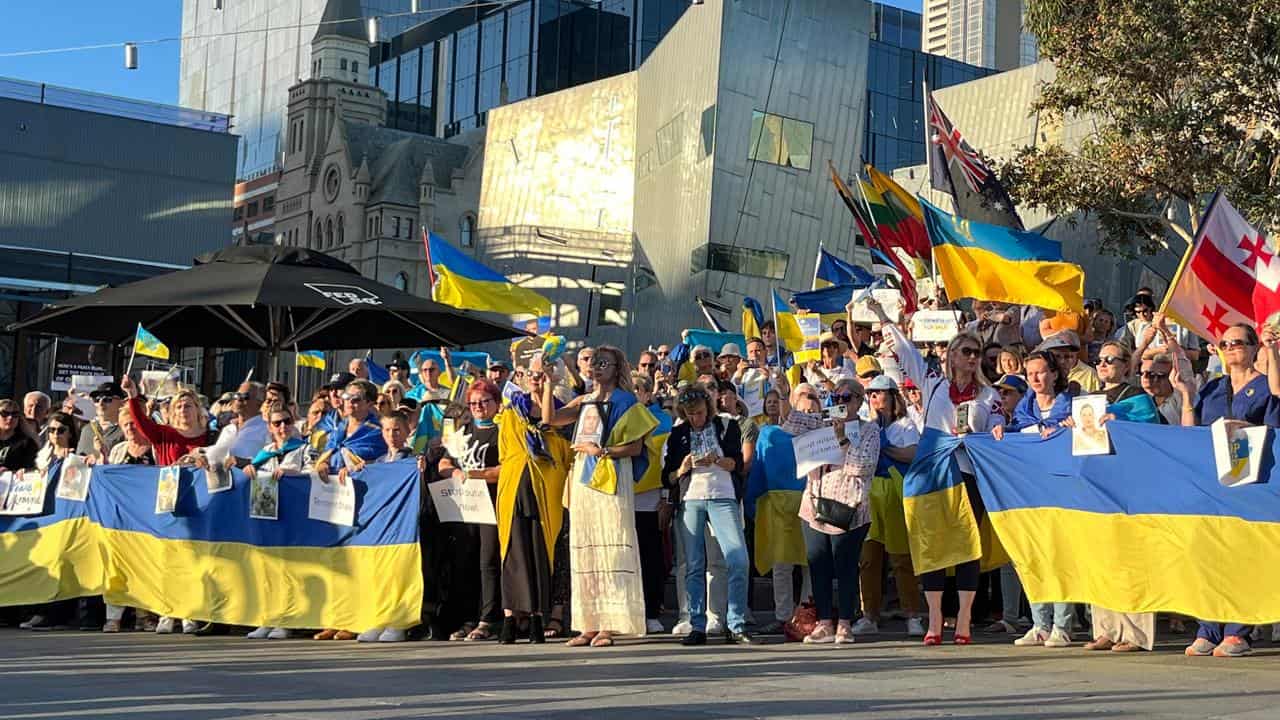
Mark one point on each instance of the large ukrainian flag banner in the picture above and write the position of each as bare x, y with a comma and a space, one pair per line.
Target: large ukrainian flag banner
461, 282
50, 557
209, 560
989, 262
1147, 528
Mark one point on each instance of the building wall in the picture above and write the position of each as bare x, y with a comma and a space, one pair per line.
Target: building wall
994, 115
935, 25
85, 182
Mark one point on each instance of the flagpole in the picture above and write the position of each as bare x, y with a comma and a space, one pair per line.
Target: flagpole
928, 164
1186, 256
777, 339
817, 263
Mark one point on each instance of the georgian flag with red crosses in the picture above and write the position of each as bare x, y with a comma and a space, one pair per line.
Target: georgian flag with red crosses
1231, 275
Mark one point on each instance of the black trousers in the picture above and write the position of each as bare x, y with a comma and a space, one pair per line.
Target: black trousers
490, 573
966, 573
653, 566
526, 570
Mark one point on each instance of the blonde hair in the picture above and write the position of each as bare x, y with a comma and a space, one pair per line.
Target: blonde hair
979, 377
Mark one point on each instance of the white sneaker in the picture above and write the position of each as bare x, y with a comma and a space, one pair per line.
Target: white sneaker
165, 626
714, 627
393, 635
189, 627
1033, 638
33, 620
1059, 638
683, 627
654, 626
866, 626
370, 635
278, 634
260, 634
915, 627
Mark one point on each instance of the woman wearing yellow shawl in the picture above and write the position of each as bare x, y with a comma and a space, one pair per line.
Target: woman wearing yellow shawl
531, 478
611, 427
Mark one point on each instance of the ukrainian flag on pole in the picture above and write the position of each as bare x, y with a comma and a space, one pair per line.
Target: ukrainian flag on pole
789, 334
144, 343
461, 282
311, 359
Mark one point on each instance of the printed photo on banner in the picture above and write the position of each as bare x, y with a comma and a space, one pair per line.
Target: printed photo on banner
889, 299
332, 501
167, 489
1238, 451
811, 328
935, 325
590, 427
217, 478
1089, 436
73, 480
264, 496
462, 500
26, 493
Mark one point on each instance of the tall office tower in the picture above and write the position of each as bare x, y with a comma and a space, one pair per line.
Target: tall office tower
987, 33
242, 59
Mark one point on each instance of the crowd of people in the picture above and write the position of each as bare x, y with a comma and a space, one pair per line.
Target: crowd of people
608, 478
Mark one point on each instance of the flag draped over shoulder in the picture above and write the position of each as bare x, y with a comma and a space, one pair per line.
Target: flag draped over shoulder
1146, 528
627, 422
956, 168
1230, 275
989, 262
940, 522
772, 498
653, 446
461, 282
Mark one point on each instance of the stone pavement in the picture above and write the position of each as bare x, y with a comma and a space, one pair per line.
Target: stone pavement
134, 675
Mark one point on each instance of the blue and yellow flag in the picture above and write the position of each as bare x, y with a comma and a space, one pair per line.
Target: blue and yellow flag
653, 444
772, 498
311, 359
752, 318
461, 282
627, 422
831, 270
990, 262
789, 334
144, 343
1146, 528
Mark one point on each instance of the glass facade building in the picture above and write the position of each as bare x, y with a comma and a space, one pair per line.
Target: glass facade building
894, 132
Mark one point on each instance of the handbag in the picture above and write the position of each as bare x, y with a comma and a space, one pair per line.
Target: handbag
833, 512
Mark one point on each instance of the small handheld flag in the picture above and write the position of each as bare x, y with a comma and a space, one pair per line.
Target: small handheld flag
311, 359
144, 343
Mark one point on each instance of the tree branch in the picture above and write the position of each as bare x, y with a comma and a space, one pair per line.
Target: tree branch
1178, 229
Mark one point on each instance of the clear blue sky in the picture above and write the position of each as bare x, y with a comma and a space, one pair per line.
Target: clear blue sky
42, 24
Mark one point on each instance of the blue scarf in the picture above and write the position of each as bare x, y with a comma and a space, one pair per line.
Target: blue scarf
365, 442
1027, 414
265, 456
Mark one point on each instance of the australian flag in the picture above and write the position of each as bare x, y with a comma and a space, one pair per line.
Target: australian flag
956, 168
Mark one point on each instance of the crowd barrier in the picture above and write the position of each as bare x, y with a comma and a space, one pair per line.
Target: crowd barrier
209, 560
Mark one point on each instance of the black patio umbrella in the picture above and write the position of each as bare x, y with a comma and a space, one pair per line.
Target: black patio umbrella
268, 298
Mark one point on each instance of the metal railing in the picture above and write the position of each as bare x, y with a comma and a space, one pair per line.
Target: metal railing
46, 94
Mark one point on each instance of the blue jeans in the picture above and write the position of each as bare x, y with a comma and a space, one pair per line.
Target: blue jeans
1046, 616
726, 522
1010, 592
834, 559
1215, 632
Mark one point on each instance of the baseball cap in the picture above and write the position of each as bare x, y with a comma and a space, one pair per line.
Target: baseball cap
398, 363
107, 389
909, 384
1013, 382
882, 382
339, 380
494, 364
866, 365
730, 350
1062, 339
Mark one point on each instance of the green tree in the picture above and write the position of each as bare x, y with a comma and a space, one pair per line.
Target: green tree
1185, 98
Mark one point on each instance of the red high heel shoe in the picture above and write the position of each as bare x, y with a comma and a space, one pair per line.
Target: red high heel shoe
963, 640
932, 639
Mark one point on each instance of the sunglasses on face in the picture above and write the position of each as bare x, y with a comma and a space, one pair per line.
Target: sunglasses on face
645, 365
1229, 344
603, 363
7, 414
57, 429
480, 403
970, 352
1113, 360
842, 399
869, 375
282, 422
1149, 375
537, 376
351, 397
240, 396
662, 353
97, 399
702, 356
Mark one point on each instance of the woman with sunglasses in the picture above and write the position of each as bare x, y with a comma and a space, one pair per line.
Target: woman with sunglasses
607, 594
837, 516
961, 384
285, 452
61, 438
18, 449
476, 456
1243, 396
888, 533
1043, 410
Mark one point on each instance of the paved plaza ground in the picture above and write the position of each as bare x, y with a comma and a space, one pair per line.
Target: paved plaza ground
134, 675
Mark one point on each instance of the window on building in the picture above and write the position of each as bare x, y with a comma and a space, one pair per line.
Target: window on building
401, 282
781, 141
466, 231
610, 310
342, 232
252, 210
465, 59
355, 66
395, 225
770, 264
328, 232
268, 203
342, 64
238, 213
492, 44
519, 37
317, 240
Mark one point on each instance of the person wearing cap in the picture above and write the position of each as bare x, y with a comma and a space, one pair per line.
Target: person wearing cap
888, 535
859, 339
1065, 347
730, 360
1012, 389
497, 373
398, 370
102, 432
337, 383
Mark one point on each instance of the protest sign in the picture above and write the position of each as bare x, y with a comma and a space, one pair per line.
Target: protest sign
26, 493
811, 328
889, 299
820, 447
73, 481
935, 325
752, 390
590, 426
462, 500
332, 501
160, 383
71, 357
1237, 452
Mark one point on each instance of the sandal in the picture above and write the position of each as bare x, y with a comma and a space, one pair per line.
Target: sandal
602, 640
481, 633
462, 632
963, 639
554, 629
582, 640
932, 639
